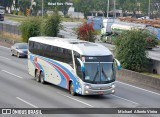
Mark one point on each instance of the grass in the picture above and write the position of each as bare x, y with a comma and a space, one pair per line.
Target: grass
153, 75
19, 18
10, 36
15, 17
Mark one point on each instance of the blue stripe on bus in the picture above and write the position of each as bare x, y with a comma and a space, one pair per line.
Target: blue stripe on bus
62, 84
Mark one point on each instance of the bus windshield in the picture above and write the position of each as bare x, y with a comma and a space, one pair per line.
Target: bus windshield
99, 72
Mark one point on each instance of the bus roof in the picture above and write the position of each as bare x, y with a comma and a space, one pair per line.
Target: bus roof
82, 47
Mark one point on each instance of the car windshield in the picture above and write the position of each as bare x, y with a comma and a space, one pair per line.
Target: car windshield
99, 70
22, 46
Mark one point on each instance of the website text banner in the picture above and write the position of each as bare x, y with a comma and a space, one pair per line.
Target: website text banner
80, 111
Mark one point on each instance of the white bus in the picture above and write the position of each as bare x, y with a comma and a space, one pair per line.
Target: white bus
79, 66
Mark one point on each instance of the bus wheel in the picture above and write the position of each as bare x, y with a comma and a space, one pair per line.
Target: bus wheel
42, 78
37, 76
71, 89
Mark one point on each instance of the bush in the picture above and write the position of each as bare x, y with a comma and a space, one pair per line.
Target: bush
86, 32
131, 50
30, 28
151, 40
52, 25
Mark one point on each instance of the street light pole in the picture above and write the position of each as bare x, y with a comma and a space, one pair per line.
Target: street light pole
107, 8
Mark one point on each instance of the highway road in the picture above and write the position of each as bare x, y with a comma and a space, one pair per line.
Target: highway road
19, 90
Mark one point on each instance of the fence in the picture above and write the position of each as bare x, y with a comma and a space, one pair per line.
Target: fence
10, 28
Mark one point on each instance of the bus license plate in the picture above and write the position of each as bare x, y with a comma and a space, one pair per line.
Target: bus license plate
101, 92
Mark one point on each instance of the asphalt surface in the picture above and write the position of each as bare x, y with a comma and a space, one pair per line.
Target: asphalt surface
19, 90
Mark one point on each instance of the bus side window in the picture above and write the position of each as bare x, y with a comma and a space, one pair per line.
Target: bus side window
78, 69
46, 50
31, 46
77, 65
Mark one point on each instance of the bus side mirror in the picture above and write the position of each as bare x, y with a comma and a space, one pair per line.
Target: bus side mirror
82, 65
118, 64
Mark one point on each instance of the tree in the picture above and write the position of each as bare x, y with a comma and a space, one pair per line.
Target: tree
36, 7
52, 25
83, 6
24, 4
8, 3
131, 50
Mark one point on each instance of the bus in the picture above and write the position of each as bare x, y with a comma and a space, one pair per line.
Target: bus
81, 67
2, 12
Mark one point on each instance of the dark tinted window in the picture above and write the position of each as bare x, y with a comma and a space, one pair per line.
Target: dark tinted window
52, 52
78, 66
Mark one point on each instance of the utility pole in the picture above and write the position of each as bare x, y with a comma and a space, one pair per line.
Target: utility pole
114, 9
42, 8
108, 9
149, 8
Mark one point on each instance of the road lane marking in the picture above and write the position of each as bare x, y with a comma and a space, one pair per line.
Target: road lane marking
5, 58
26, 102
12, 74
76, 100
138, 88
126, 99
4, 47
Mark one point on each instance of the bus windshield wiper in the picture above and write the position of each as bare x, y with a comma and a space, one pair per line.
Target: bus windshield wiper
104, 73
96, 75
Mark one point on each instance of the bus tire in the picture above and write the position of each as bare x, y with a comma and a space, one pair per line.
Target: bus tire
41, 76
71, 89
37, 76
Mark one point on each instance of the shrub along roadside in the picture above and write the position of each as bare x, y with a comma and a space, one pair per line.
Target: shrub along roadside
36, 26
30, 27
131, 50
86, 32
52, 24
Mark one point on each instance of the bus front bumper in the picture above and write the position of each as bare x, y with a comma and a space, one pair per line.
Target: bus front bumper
99, 92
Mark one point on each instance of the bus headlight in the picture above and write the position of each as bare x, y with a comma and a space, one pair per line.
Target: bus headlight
87, 86
113, 86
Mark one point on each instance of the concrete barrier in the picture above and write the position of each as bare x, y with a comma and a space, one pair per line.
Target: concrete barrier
138, 78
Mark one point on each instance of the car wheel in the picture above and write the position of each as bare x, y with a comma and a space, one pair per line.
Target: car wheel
18, 55
37, 76
71, 89
42, 78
